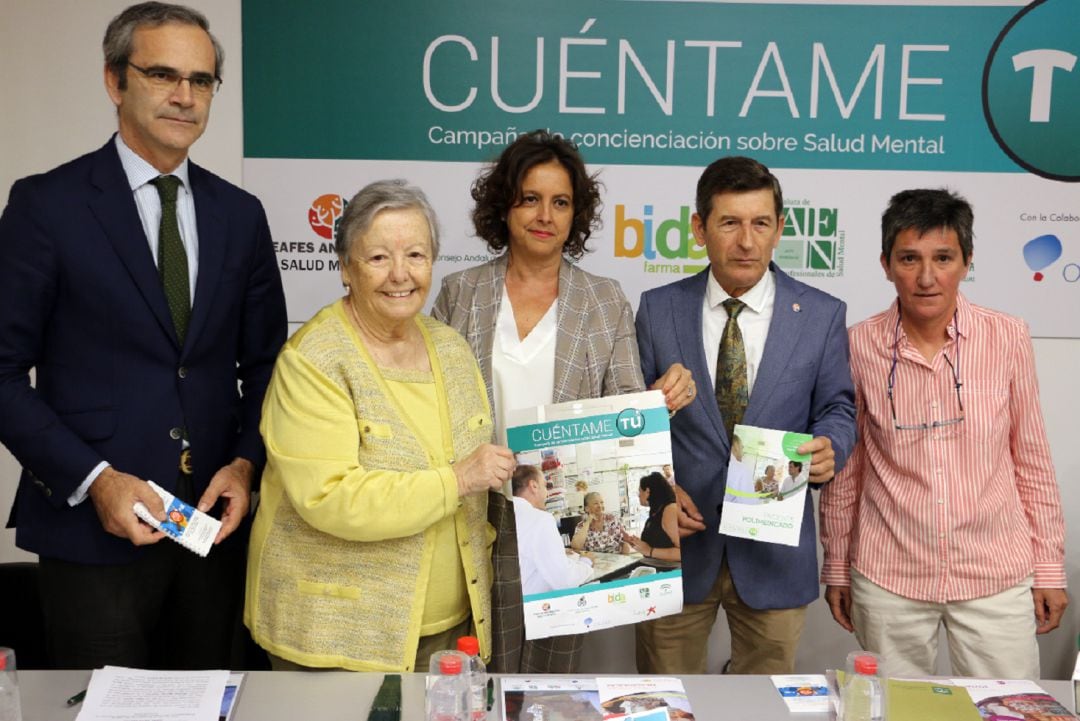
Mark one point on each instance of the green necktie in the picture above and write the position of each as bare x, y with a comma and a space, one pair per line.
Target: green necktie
172, 259
732, 389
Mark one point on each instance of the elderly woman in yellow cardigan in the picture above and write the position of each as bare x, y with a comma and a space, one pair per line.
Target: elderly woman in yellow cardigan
371, 548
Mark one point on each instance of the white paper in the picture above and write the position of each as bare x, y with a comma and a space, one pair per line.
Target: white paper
131, 694
762, 500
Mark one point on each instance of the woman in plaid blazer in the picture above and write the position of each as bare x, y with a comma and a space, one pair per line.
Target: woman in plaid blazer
531, 313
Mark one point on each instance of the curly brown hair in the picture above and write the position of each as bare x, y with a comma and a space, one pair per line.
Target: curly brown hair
498, 189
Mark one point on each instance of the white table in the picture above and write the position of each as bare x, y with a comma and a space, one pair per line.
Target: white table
343, 696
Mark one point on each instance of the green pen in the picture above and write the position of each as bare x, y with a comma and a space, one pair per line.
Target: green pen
76, 699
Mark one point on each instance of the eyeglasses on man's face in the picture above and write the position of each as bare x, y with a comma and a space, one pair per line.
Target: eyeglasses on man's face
167, 79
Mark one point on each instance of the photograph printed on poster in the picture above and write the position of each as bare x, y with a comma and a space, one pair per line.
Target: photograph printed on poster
594, 506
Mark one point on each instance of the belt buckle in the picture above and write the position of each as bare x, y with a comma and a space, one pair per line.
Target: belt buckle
185, 462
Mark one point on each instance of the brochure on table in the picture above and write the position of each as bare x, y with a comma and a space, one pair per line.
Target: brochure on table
765, 495
644, 699
602, 445
547, 698
1013, 700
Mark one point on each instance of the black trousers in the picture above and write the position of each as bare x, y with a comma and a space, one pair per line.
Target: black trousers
170, 609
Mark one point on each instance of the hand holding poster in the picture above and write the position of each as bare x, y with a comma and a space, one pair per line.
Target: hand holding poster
579, 567
766, 485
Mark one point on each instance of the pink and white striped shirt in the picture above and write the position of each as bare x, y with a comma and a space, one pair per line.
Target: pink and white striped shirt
953, 512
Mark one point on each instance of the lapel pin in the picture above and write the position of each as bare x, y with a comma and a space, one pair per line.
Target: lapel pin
796, 307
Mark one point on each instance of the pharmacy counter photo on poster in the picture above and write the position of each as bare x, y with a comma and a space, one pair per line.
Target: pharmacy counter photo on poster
593, 480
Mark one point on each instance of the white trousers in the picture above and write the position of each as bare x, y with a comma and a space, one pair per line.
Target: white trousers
989, 637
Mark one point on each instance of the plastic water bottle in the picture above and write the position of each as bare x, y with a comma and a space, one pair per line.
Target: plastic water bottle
863, 697
470, 646
9, 687
448, 687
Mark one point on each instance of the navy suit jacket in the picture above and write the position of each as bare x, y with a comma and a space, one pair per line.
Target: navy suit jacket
803, 385
82, 304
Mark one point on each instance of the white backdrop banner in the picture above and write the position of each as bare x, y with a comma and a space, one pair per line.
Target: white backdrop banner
847, 103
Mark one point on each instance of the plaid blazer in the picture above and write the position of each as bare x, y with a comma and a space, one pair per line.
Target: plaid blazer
596, 355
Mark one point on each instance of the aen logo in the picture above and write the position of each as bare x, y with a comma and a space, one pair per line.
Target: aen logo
324, 213
1031, 89
812, 243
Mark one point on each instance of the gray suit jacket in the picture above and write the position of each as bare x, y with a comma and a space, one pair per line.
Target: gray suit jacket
803, 385
595, 355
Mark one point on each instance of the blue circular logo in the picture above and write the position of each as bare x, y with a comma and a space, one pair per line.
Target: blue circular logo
1031, 89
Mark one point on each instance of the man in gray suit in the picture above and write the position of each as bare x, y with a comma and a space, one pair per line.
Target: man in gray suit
776, 351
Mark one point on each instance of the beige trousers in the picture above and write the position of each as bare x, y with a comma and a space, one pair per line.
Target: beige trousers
990, 637
762, 642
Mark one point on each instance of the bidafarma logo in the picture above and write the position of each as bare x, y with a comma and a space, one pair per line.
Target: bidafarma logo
666, 245
812, 244
324, 213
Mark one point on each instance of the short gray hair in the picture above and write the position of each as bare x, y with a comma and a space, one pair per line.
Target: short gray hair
374, 198
591, 495
119, 36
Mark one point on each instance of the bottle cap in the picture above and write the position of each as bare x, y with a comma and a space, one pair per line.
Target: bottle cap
866, 665
449, 664
469, 645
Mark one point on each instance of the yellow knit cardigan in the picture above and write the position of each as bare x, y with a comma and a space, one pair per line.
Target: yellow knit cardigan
340, 551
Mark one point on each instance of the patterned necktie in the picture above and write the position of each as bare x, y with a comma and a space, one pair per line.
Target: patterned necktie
732, 391
172, 259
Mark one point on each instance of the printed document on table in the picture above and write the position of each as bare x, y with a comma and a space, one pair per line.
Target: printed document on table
132, 694
1013, 700
644, 698
765, 491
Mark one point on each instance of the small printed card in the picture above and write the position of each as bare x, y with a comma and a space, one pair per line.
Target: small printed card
803, 694
187, 525
766, 486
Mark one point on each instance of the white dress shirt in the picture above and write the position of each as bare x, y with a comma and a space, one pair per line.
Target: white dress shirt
544, 563
147, 201
753, 323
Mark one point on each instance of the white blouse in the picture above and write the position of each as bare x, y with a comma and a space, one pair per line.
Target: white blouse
522, 371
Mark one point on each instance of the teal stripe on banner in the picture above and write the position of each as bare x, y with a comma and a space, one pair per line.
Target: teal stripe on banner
626, 424
578, 590
886, 87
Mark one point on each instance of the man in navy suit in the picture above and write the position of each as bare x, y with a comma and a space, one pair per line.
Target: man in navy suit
134, 382
794, 344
